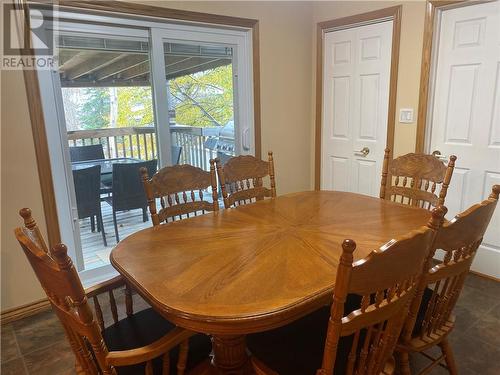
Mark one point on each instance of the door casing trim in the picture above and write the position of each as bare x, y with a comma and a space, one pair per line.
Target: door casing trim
380, 15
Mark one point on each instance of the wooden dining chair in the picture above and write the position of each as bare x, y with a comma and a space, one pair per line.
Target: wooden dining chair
358, 333
87, 182
241, 179
430, 320
180, 189
413, 179
141, 343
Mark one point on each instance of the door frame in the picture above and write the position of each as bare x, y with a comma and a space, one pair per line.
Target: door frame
380, 15
125, 10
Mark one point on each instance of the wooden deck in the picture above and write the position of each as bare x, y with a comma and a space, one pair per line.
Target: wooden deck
95, 254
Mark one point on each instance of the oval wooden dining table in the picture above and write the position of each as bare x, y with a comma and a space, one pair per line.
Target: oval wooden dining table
255, 267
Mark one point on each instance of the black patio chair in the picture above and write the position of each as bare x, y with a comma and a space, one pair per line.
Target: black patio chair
176, 154
128, 190
83, 153
90, 152
88, 197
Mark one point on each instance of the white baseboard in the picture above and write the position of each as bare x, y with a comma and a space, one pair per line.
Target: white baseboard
487, 262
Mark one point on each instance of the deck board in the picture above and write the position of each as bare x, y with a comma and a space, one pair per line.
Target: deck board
128, 222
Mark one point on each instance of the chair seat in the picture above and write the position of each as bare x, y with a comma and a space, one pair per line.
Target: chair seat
446, 328
297, 348
420, 342
145, 327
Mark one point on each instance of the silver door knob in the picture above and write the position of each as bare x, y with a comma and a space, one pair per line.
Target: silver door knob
363, 152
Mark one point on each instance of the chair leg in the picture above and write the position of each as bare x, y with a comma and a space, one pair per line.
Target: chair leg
100, 225
129, 302
403, 362
116, 227
448, 356
183, 354
92, 223
144, 214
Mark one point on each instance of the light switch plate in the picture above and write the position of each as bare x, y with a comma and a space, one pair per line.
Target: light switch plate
406, 115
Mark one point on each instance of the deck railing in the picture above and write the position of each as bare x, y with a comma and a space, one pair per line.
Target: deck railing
192, 141
133, 142
140, 142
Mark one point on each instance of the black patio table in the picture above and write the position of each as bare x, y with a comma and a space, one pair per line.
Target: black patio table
106, 164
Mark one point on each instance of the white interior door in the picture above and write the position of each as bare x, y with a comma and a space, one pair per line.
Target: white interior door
356, 77
465, 117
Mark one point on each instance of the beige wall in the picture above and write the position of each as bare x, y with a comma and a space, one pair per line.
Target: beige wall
287, 53
20, 188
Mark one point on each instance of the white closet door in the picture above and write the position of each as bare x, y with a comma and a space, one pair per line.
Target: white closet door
357, 64
466, 114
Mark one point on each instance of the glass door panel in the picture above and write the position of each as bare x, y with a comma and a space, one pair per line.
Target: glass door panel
107, 105
204, 77
200, 92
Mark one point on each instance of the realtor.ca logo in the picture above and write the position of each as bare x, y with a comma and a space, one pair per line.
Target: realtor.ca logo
27, 46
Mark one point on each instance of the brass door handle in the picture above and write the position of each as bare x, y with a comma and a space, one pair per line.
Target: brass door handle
363, 152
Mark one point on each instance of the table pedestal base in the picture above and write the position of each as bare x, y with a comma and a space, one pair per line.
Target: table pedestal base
230, 354
230, 357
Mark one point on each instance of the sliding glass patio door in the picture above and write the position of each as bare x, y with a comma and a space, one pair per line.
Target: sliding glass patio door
199, 90
133, 91
203, 76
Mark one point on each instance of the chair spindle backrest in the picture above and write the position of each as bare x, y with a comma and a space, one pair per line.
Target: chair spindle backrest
413, 179
386, 280
181, 190
241, 179
59, 279
459, 239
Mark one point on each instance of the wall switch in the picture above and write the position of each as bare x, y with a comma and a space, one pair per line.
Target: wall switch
406, 115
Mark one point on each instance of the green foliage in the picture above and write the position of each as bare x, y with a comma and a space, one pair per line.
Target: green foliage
135, 106
200, 99
205, 98
94, 113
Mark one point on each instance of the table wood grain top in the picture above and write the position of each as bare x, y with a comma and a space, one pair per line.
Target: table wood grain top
257, 266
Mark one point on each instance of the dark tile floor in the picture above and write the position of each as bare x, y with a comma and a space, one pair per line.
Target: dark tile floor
36, 345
